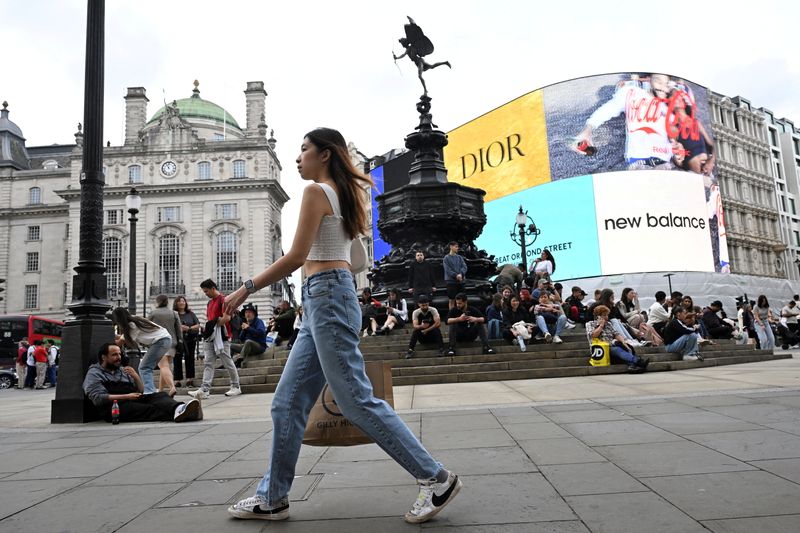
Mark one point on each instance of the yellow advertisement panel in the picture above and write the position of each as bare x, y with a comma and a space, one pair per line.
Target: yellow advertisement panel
502, 152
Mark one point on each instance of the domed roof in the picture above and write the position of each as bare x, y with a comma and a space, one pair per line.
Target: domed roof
7, 125
196, 107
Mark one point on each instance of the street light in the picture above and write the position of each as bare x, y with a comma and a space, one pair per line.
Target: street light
133, 202
522, 230
669, 275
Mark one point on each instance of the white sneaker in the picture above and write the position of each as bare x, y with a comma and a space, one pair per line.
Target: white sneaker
690, 358
235, 391
432, 498
557, 340
200, 394
548, 337
570, 325
256, 508
189, 411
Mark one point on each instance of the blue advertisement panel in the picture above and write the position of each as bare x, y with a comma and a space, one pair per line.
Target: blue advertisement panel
381, 247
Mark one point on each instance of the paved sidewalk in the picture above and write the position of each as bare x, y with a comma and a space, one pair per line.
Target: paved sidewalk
716, 449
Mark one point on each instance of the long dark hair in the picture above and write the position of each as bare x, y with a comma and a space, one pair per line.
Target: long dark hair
624, 299
547, 255
123, 320
606, 298
763, 303
349, 181
175, 304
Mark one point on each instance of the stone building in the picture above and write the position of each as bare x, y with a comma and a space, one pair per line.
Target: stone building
211, 206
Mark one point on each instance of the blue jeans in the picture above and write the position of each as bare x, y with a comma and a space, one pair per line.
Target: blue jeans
685, 345
554, 329
326, 349
495, 328
620, 329
621, 353
766, 338
151, 358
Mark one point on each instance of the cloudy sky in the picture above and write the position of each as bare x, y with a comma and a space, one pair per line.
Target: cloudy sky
330, 63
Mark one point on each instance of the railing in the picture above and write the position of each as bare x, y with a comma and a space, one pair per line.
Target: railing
170, 289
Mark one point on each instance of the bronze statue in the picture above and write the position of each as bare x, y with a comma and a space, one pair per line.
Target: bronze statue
418, 46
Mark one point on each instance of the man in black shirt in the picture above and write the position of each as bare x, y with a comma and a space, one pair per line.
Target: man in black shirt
425, 321
465, 323
420, 277
717, 329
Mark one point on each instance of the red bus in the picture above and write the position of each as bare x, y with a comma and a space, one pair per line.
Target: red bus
14, 328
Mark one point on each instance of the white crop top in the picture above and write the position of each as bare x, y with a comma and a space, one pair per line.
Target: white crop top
332, 242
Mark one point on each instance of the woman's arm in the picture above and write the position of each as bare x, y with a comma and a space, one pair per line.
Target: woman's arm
312, 208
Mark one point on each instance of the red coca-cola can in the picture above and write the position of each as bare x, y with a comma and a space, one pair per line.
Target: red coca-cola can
586, 148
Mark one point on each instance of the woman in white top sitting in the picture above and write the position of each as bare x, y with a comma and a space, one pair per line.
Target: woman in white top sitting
543, 267
396, 312
333, 213
137, 331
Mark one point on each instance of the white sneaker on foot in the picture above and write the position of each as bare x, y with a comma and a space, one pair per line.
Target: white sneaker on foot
557, 340
690, 357
548, 337
189, 411
570, 325
256, 508
235, 391
200, 394
432, 498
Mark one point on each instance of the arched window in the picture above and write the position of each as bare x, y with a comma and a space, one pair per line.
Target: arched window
135, 174
34, 196
204, 170
112, 260
239, 169
169, 264
227, 261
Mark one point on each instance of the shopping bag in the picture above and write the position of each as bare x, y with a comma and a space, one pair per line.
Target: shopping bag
601, 353
328, 427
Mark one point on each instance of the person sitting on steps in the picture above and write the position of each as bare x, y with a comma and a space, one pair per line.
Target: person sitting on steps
466, 323
396, 313
426, 323
619, 348
252, 338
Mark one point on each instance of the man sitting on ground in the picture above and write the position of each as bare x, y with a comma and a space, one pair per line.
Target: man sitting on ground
681, 336
425, 321
107, 381
465, 323
658, 314
716, 328
252, 337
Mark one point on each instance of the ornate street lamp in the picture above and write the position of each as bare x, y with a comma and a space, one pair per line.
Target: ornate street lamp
133, 202
520, 234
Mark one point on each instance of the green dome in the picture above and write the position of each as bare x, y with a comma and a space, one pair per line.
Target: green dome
196, 107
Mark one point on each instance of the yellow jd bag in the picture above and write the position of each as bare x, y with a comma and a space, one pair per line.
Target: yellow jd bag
328, 427
601, 354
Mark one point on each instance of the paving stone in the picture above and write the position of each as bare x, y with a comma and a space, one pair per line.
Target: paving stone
207, 492
765, 524
475, 438
787, 400
655, 408
590, 415
669, 459
475, 461
729, 495
785, 468
459, 422
74, 442
590, 478
712, 400
362, 452
361, 474
752, 445
155, 468
572, 526
238, 428
559, 451
21, 460
518, 415
536, 430
35, 436
89, 509
19, 495
136, 443
698, 422
579, 405
80, 466
792, 427
759, 413
169, 428
639, 512
211, 443
618, 432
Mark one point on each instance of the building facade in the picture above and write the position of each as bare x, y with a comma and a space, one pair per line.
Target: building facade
211, 207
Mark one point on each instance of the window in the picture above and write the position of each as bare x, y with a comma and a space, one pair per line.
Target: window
66, 259
135, 174
226, 261
239, 169
218, 137
31, 296
66, 231
66, 293
204, 170
792, 207
32, 262
114, 216
169, 214
169, 263
226, 211
34, 196
50, 164
796, 238
112, 260
33, 233
783, 203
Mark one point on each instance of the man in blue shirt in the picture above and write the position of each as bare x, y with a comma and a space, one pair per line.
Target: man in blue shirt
455, 270
253, 337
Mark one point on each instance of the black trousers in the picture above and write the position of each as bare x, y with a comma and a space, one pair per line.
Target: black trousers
723, 331
459, 333
156, 407
185, 356
434, 336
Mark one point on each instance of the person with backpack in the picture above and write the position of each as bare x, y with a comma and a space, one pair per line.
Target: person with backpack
52, 361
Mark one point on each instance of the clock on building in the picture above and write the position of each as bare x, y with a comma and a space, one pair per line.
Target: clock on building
169, 168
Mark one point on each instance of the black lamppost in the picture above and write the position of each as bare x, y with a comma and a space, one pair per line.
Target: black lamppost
669, 275
520, 234
83, 335
133, 202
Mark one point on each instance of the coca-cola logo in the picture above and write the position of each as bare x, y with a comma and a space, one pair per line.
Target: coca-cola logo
677, 111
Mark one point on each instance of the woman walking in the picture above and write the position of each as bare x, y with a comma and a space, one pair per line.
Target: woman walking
332, 214
138, 331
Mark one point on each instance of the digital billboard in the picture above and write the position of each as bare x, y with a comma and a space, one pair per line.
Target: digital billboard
617, 171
